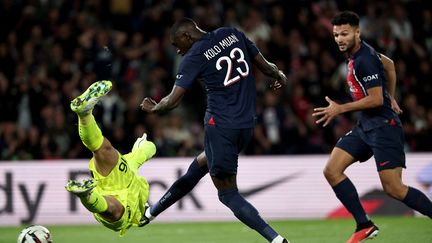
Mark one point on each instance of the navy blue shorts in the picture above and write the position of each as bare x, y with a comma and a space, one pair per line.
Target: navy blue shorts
222, 147
385, 143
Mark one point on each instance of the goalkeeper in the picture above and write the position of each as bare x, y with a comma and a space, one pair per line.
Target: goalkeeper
115, 194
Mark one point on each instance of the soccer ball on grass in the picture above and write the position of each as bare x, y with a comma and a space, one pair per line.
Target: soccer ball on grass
35, 234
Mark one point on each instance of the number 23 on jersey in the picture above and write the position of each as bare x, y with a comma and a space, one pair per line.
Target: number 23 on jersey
236, 55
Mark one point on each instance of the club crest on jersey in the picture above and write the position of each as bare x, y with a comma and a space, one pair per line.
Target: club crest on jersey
351, 86
370, 77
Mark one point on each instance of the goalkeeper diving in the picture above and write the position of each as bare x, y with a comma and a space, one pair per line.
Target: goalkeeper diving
115, 194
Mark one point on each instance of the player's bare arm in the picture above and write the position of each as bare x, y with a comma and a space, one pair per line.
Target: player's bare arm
328, 113
271, 70
167, 103
390, 74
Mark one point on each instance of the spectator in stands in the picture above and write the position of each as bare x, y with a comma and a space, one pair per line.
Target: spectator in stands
60, 49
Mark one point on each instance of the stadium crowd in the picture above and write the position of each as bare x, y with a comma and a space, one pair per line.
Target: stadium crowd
50, 51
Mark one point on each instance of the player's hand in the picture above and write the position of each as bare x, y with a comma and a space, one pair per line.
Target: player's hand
139, 141
395, 106
279, 83
143, 137
327, 113
147, 104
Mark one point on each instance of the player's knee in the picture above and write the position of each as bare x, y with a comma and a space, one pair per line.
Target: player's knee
223, 199
115, 209
395, 191
330, 174
226, 196
117, 213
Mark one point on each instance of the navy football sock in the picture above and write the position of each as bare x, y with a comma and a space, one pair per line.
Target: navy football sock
246, 213
347, 194
181, 187
417, 200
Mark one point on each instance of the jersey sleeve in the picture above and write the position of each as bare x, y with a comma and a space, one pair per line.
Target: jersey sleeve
369, 71
251, 47
188, 71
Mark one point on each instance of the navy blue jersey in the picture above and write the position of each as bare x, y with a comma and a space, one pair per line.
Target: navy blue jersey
365, 71
222, 59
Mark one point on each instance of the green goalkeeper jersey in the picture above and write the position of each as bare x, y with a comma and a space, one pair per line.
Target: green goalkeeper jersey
126, 186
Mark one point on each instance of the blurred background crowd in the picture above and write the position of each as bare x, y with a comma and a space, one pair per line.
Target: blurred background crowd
52, 50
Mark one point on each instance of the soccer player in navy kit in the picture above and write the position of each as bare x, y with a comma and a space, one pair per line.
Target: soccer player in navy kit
223, 60
378, 131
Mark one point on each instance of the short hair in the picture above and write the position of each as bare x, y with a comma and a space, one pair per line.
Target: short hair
182, 25
346, 17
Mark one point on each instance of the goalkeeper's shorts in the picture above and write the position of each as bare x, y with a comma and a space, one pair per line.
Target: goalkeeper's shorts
128, 188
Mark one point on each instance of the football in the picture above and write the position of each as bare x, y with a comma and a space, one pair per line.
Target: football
35, 234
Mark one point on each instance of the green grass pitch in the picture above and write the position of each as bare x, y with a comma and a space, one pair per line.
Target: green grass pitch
392, 229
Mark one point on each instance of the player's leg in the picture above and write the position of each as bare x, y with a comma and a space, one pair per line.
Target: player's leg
390, 161
105, 156
142, 151
391, 180
339, 161
108, 207
222, 149
183, 185
91, 135
342, 186
348, 150
229, 195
